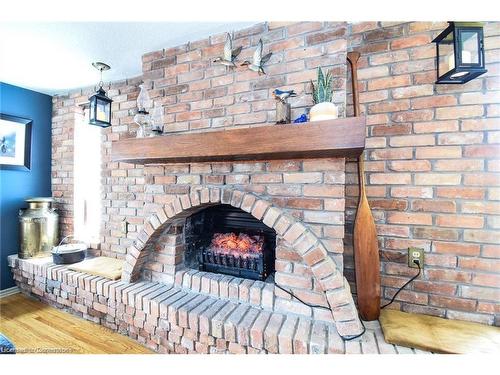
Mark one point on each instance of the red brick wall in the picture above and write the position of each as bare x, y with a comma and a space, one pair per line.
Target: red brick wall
430, 150
63, 120
431, 171
197, 95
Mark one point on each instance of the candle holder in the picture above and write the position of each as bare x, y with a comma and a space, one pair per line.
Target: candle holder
142, 117
157, 120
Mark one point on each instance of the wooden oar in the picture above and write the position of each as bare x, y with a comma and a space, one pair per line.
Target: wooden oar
366, 255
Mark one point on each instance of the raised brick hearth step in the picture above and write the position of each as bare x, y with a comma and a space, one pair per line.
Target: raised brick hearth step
256, 293
172, 318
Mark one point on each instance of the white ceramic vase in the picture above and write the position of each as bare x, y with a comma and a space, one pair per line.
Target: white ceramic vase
323, 111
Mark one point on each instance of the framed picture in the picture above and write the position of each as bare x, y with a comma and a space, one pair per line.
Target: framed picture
15, 142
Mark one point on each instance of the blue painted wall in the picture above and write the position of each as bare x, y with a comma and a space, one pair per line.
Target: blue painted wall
16, 185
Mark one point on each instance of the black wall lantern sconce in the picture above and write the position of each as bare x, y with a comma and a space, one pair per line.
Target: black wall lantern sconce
100, 104
460, 52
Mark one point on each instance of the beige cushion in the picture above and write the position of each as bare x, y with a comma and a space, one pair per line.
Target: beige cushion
438, 335
110, 268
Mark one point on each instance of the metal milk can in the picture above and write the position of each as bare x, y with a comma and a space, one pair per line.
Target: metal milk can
38, 228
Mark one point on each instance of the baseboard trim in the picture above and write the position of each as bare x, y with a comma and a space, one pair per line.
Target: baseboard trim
9, 291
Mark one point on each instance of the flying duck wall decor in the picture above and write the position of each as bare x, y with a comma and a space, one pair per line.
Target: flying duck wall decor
257, 64
230, 54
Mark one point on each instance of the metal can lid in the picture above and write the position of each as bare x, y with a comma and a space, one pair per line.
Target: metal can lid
40, 200
69, 248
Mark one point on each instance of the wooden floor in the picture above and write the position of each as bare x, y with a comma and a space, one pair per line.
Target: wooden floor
34, 327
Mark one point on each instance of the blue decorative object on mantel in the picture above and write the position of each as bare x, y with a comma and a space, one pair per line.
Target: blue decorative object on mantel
300, 119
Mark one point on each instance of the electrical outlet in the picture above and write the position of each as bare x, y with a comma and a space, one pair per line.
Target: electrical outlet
415, 253
124, 227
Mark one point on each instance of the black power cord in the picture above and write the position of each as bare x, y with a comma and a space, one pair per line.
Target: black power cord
345, 338
348, 338
297, 298
405, 284
389, 259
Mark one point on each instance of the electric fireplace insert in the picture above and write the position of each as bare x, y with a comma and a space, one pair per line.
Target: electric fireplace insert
227, 240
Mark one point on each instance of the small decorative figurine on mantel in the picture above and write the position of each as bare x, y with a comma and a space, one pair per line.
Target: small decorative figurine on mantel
230, 54
284, 95
283, 110
257, 64
299, 120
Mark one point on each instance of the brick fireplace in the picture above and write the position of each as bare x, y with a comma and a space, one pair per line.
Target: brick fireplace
164, 299
302, 263
301, 274
166, 302
420, 194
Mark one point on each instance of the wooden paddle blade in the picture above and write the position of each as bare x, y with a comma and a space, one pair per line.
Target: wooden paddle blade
367, 262
366, 256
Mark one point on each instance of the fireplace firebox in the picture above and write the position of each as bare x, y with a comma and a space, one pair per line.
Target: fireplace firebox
227, 240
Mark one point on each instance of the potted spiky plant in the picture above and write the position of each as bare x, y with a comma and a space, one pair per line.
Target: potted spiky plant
322, 93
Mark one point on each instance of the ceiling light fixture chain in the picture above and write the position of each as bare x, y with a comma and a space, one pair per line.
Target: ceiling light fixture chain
100, 66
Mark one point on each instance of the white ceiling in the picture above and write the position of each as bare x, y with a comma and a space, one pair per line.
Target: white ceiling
56, 57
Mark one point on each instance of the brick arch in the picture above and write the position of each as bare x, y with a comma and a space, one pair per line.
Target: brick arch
301, 238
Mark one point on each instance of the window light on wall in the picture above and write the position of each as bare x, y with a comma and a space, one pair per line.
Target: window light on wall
87, 180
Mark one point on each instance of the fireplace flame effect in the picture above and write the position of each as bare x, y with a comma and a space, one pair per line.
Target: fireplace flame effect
238, 245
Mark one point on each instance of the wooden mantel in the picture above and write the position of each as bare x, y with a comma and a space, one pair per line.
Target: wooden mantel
331, 138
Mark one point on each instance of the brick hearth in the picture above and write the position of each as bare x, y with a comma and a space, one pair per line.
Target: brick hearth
173, 319
177, 317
